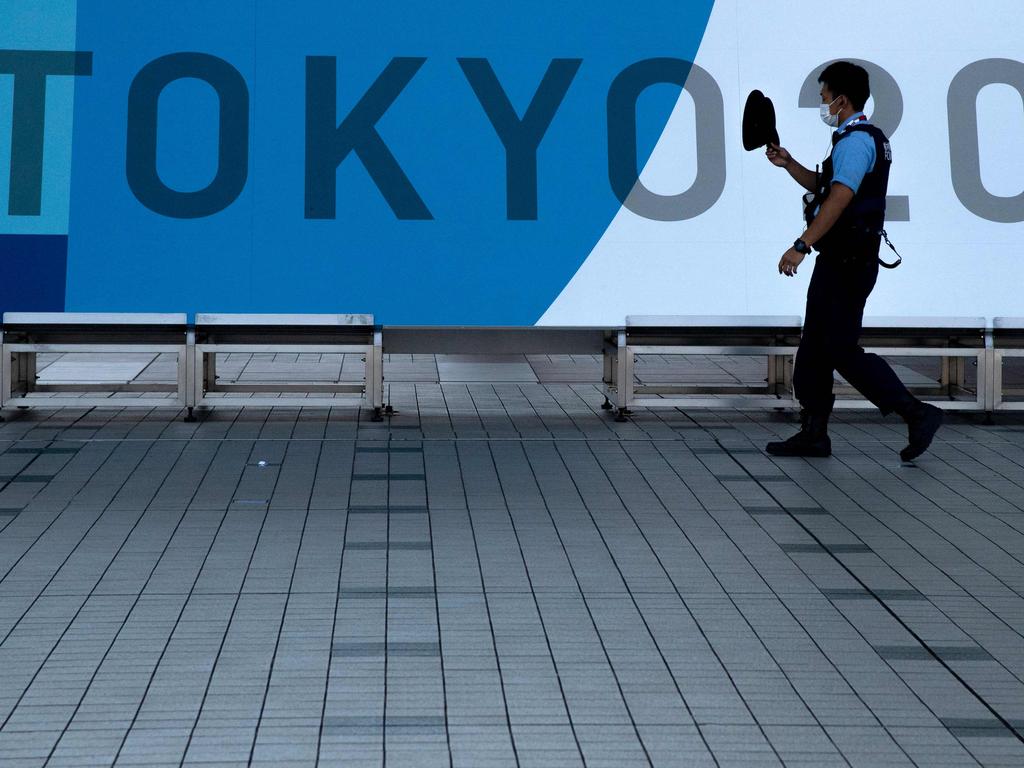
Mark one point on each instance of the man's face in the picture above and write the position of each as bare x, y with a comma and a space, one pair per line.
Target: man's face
828, 98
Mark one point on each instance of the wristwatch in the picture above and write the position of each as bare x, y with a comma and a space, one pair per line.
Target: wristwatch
801, 247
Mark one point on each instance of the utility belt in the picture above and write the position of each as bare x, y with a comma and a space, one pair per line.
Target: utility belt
849, 236
876, 234
849, 256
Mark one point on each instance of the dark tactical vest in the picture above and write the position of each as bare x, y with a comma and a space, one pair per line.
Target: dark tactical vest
860, 225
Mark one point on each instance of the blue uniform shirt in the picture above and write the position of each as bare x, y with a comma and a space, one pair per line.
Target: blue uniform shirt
854, 156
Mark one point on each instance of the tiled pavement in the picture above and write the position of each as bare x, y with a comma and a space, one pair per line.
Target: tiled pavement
503, 576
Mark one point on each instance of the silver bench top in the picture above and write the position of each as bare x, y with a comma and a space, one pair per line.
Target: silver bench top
973, 323
489, 329
1008, 323
283, 320
712, 321
93, 318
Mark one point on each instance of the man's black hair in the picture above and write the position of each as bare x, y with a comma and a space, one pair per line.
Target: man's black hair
843, 78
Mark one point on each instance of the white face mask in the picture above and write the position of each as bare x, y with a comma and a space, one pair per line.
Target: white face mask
832, 121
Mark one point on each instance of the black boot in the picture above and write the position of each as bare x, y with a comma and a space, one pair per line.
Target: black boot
812, 440
923, 421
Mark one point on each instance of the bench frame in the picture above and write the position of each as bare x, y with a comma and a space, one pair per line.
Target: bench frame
288, 334
1007, 341
773, 337
26, 335
953, 340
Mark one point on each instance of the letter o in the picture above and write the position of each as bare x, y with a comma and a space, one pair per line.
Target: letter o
233, 141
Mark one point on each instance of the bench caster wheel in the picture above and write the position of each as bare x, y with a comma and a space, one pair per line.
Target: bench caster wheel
190, 417
606, 405
621, 414
377, 415
389, 410
990, 419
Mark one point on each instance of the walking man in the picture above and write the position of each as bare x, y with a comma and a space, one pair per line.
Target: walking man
845, 215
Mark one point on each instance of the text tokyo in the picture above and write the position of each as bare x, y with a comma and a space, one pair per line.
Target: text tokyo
330, 138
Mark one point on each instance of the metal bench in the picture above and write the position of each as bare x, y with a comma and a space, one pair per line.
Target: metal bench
27, 334
773, 336
1007, 341
297, 334
952, 339
955, 340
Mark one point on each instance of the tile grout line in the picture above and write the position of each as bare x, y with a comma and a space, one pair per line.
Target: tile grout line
970, 689
234, 608
579, 588
284, 610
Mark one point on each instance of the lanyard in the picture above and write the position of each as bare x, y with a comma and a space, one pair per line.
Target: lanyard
859, 119
862, 118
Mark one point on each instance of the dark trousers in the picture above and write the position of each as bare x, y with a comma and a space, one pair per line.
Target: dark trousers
832, 324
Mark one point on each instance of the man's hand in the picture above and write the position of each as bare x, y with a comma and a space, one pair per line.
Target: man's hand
789, 262
778, 155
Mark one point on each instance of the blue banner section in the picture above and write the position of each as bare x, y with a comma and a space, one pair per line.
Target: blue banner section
37, 40
428, 163
33, 273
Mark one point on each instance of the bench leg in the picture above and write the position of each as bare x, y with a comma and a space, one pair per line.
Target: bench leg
779, 378
958, 378
190, 416
20, 376
624, 366
374, 376
623, 374
186, 372
995, 381
607, 375
31, 373
954, 374
204, 378
5, 373
23, 374
389, 410
378, 369
209, 377
607, 372
990, 377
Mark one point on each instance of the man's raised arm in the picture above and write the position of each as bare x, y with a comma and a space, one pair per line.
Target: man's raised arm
780, 156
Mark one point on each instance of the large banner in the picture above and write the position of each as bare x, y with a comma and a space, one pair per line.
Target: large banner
469, 163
